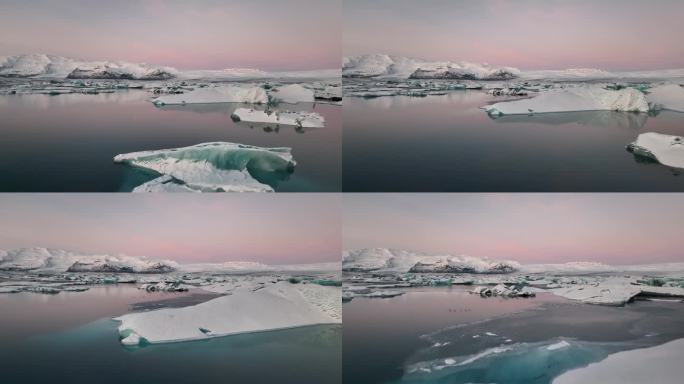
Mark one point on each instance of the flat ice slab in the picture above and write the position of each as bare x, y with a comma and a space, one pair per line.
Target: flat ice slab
278, 306
297, 119
211, 167
216, 94
577, 99
661, 364
666, 149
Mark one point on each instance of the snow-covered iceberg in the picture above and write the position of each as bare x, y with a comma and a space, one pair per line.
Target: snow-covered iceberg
297, 119
46, 260
659, 364
291, 94
666, 149
379, 65
216, 94
382, 259
669, 96
590, 98
277, 306
40, 65
214, 167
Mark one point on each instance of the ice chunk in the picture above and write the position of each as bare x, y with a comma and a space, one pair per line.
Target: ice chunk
216, 94
131, 339
559, 345
660, 364
292, 94
666, 149
669, 96
576, 99
215, 167
278, 306
298, 119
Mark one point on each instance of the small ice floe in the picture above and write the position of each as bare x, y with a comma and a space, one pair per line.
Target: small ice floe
490, 334
384, 294
212, 167
503, 291
216, 94
590, 98
668, 96
665, 149
559, 345
297, 119
164, 286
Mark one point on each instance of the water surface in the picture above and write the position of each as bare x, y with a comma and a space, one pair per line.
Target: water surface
67, 142
448, 144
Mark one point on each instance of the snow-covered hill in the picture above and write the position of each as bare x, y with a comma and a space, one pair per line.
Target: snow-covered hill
58, 260
394, 260
50, 66
379, 65
58, 67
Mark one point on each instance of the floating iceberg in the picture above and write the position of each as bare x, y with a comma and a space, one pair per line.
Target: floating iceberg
298, 119
666, 149
670, 96
382, 259
214, 167
291, 94
216, 94
277, 306
574, 100
47, 260
661, 364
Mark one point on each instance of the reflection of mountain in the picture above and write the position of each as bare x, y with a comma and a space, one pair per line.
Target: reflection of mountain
603, 119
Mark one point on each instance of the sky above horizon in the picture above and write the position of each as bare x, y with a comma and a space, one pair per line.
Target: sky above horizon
271, 229
528, 34
202, 34
623, 228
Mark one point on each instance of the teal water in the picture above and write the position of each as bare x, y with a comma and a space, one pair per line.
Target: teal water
445, 335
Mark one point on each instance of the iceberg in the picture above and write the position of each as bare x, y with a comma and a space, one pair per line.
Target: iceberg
666, 149
297, 119
576, 99
402, 261
216, 94
46, 260
661, 364
291, 94
277, 306
669, 96
214, 167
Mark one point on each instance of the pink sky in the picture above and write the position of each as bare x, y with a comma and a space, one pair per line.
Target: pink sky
198, 34
528, 34
273, 229
622, 228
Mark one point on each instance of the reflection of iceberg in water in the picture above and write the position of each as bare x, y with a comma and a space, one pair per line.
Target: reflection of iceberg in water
602, 119
213, 167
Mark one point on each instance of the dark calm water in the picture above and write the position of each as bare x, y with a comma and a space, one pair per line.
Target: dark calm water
385, 339
67, 142
446, 143
70, 338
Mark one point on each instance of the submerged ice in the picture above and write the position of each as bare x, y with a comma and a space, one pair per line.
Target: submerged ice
213, 167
